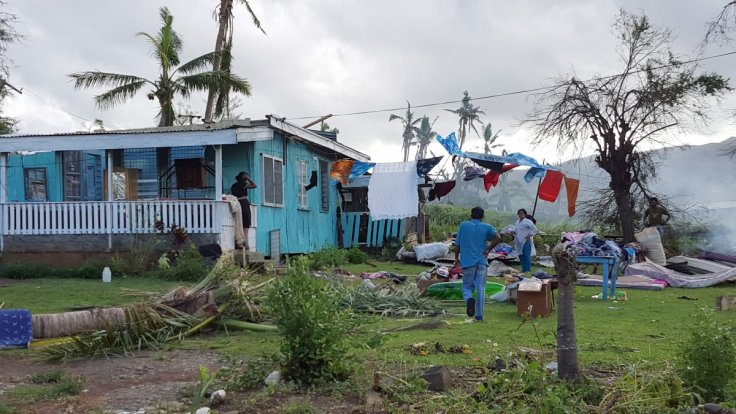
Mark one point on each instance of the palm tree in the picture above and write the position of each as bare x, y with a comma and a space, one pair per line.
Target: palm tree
410, 129
173, 78
469, 114
425, 135
489, 139
217, 97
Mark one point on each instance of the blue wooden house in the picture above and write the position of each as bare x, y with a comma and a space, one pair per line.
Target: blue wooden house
92, 191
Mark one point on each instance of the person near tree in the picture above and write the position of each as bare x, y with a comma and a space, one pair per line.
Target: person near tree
654, 216
525, 231
471, 254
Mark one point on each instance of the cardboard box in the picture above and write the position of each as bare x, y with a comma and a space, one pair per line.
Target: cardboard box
536, 303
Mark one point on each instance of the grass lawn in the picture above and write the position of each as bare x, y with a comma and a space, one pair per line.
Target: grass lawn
60, 295
650, 326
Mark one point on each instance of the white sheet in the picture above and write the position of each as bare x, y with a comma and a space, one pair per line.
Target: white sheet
392, 191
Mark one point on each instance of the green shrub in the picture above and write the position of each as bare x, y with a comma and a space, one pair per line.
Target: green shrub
92, 270
141, 260
313, 328
356, 256
708, 357
246, 375
328, 258
186, 265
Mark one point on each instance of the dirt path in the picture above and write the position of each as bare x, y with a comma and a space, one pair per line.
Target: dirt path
146, 381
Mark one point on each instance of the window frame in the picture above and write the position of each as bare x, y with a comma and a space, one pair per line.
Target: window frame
302, 181
324, 186
26, 182
275, 186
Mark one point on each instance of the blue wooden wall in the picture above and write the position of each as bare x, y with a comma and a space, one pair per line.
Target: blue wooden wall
51, 161
302, 230
377, 232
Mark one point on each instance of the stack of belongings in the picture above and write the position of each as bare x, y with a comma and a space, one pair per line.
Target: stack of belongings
437, 274
587, 243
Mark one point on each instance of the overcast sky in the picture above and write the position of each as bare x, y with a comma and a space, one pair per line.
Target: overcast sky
341, 56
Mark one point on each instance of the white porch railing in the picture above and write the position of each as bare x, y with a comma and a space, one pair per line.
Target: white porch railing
105, 217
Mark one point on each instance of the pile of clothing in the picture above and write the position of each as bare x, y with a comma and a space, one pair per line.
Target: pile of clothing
587, 243
394, 277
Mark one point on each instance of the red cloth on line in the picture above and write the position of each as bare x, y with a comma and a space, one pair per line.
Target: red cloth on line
441, 189
550, 187
571, 187
491, 178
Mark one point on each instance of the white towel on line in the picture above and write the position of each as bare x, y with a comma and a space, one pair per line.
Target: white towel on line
392, 191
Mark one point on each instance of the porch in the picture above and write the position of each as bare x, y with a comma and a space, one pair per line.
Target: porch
210, 219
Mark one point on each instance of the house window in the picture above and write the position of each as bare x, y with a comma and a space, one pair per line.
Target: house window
72, 173
324, 186
303, 182
35, 184
273, 181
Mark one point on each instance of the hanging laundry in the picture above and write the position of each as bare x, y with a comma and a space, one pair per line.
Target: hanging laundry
491, 165
312, 181
471, 173
571, 187
424, 166
550, 187
340, 170
392, 191
441, 189
360, 168
490, 180
533, 173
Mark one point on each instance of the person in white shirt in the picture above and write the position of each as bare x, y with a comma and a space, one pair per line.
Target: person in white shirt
525, 230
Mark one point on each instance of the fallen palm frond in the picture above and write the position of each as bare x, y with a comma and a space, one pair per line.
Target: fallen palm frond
256, 327
146, 326
389, 301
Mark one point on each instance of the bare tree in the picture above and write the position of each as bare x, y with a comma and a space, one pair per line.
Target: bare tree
622, 116
8, 36
723, 27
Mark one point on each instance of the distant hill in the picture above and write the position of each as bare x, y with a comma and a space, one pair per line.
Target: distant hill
696, 174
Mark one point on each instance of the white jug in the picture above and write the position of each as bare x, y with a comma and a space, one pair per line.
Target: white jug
106, 275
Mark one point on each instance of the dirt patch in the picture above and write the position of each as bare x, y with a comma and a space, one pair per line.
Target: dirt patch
142, 382
9, 282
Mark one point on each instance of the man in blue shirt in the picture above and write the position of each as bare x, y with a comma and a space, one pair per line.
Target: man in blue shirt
471, 253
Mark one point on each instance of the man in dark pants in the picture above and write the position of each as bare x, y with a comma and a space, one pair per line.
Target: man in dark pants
471, 253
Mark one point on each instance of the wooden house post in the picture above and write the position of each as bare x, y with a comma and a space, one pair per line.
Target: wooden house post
218, 172
3, 195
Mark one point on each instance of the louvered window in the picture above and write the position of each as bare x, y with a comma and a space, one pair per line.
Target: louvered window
273, 181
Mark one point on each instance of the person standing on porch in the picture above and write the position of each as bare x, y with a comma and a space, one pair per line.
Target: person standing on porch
525, 230
239, 189
471, 254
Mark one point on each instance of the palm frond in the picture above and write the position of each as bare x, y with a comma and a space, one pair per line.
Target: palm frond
392, 117
93, 79
118, 95
166, 44
202, 82
388, 301
147, 326
199, 63
256, 22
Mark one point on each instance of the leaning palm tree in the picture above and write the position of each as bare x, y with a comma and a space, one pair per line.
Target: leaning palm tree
410, 129
217, 97
425, 136
174, 79
468, 115
489, 139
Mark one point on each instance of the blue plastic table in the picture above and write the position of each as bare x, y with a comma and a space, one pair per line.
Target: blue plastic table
610, 271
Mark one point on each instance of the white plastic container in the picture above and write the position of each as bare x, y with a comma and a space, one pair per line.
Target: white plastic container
106, 275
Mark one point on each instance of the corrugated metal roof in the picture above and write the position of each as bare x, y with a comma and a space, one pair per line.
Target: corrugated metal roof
215, 126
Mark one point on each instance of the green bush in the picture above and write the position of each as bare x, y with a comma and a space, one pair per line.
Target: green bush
313, 329
186, 265
356, 256
91, 270
708, 357
242, 375
328, 258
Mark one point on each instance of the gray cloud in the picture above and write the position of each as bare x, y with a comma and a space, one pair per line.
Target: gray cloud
329, 56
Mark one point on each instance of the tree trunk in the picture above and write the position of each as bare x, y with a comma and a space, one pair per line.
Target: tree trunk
55, 325
567, 351
226, 9
625, 213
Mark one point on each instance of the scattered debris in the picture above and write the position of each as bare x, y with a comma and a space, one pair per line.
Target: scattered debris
438, 378
273, 378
